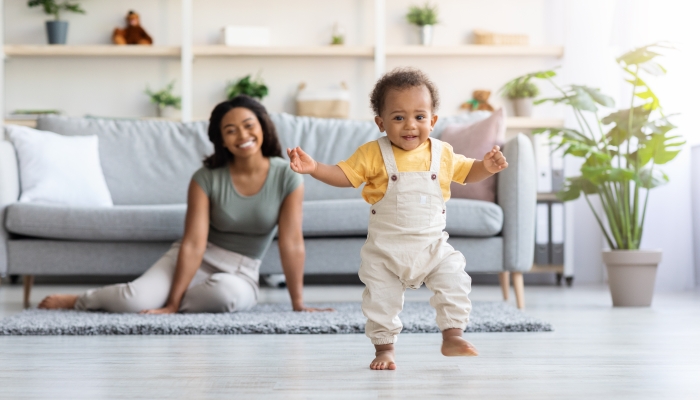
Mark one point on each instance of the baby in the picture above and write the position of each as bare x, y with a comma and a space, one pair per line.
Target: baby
407, 177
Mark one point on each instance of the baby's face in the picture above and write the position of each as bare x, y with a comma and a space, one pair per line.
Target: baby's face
407, 117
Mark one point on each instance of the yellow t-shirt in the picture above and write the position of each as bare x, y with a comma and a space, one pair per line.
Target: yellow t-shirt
366, 165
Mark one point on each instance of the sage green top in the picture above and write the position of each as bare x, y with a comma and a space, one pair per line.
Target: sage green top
246, 224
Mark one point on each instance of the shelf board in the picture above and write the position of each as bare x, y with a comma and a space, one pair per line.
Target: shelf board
533, 123
106, 50
284, 51
476, 50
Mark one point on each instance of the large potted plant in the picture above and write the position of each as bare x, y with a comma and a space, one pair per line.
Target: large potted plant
621, 153
56, 30
424, 18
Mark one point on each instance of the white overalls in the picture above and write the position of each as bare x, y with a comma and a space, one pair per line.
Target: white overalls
407, 246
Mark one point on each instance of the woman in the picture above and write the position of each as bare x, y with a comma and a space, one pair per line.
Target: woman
234, 203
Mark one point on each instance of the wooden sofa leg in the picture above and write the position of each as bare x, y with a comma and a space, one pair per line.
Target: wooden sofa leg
504, 279
28, 282
519, 287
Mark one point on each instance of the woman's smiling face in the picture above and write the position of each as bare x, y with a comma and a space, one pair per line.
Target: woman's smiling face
407, 117
241, 132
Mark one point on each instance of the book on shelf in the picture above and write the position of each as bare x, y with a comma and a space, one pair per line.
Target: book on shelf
542, 234
549, 233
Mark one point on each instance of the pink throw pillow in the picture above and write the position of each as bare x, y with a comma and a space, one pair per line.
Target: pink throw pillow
474, 141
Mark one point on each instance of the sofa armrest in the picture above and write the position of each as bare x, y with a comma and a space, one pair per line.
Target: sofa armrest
517, 196
9, 193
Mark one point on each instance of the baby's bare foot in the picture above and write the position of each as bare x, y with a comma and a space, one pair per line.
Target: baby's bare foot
59, 301
453, 346
383, 360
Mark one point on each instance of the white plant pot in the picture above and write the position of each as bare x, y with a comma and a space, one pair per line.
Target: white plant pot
631, 276
523, 107
426, 35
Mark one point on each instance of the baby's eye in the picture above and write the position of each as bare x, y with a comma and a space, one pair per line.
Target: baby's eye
398, 118
420, 118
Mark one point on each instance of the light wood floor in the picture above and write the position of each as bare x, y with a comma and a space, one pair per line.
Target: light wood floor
595, 353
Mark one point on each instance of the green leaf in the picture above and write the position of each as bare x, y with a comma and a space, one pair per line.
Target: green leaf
642, 54
650, 178
652, 68
574, 187
597, 96
660, 148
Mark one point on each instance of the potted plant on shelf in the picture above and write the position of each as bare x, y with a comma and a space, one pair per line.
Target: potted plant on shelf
621, 152
163, 99
521, 91
253, 88
56, 30
424, 18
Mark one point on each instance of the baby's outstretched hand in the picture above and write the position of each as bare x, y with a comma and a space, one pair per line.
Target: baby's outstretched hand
301, 162
495, 161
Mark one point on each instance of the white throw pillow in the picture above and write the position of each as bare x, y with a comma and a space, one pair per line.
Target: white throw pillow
59, 169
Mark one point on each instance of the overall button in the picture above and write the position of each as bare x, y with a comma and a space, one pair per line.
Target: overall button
374, 212
393, 177
443, 211
433, 176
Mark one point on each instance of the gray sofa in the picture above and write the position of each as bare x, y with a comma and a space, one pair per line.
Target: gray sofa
147, 167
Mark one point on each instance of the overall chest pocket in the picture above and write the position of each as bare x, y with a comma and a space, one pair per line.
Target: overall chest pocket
413, 209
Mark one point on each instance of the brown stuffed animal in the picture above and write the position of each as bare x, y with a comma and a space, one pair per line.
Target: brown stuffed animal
133, 33
479, 102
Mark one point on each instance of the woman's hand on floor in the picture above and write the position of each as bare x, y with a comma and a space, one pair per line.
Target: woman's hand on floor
164, 310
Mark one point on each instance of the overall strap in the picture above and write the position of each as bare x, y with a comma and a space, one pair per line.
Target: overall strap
435, 154
388, 155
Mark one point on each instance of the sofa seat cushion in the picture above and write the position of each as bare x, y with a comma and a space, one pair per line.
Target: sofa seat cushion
473, 218
323, 218
337, 218
148, 223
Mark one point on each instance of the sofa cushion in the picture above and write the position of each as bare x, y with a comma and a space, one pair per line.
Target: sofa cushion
144, 162
119, 223
474, 141
322, 218
473, 218
348, 217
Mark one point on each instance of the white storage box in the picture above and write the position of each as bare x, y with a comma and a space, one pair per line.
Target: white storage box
245, 35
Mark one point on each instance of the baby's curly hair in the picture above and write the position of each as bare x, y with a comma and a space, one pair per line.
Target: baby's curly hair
401, 78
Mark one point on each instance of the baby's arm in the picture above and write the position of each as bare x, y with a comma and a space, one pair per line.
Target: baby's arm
493, 162
303, 163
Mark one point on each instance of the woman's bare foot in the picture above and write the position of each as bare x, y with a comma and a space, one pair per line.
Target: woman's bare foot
454, 345
59, 301
384, 357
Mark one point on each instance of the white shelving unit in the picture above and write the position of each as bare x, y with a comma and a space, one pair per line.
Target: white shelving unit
188, 52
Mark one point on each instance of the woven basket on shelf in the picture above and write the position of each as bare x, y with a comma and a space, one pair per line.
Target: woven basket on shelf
486, 37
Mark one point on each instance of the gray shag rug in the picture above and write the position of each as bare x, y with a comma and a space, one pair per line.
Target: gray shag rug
417, 317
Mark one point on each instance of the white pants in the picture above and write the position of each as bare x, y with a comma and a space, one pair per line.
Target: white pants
383, 298
225, 282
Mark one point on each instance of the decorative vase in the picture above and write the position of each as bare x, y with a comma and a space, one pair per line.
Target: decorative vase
426, 35
523, 107
631, 276
57, 31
